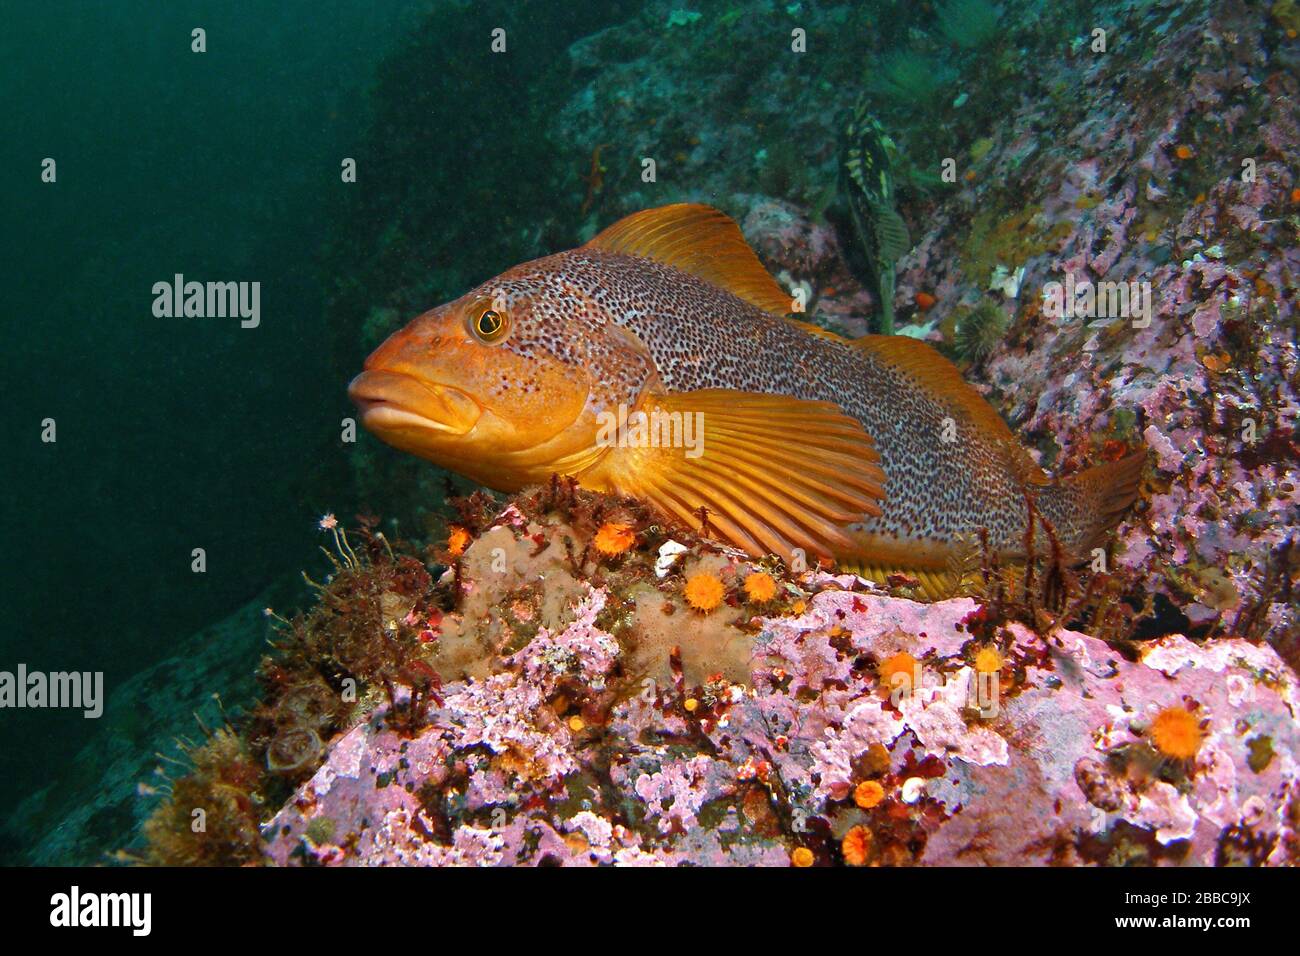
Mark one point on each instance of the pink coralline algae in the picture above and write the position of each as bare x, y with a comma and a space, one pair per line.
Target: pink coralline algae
676, 792
1047, 760
1208, 380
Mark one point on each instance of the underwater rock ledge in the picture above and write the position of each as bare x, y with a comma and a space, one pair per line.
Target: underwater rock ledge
683, 705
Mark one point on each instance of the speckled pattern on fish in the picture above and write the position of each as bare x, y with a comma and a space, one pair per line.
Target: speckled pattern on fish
700, 336
873, 451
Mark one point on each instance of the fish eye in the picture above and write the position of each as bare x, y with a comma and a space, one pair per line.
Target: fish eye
488, 324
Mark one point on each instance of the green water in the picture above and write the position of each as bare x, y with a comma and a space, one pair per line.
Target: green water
171, 434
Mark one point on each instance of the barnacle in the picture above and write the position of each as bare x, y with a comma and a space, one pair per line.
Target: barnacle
293, 749
309, 704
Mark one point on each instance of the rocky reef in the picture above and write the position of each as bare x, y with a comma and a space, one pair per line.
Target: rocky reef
582, 686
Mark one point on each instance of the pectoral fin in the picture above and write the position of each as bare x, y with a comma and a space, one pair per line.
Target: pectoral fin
774, 473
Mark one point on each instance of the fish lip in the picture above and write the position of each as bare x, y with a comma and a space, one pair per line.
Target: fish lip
392, 401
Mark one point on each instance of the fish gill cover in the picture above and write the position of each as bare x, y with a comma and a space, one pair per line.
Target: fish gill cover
996, 570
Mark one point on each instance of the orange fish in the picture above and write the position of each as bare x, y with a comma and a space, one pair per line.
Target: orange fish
660, 360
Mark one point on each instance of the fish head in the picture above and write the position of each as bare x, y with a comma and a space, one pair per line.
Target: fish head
503, 385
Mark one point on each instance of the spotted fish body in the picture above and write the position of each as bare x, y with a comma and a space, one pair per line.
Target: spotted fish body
873, 452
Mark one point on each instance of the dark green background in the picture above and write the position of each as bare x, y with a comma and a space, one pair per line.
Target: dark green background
172, 433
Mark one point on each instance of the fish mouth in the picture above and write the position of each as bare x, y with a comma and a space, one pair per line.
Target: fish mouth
392, 401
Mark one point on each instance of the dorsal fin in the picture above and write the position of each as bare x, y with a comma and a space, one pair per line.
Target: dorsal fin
930, 369
702, 241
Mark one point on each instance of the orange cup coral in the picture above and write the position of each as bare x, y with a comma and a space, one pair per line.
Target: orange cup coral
1176, 733
704, 591
760, 587
868, 794
856, 846
614, 537
890, 668
988, 660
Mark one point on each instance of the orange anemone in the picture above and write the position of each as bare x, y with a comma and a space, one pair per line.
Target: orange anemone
614, 537
760, 587
1176, 733
704, 591
856, 846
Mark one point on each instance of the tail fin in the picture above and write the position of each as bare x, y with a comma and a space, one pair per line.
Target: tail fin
1086, 507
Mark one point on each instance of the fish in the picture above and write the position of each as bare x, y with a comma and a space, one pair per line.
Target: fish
867, 182
871, 453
